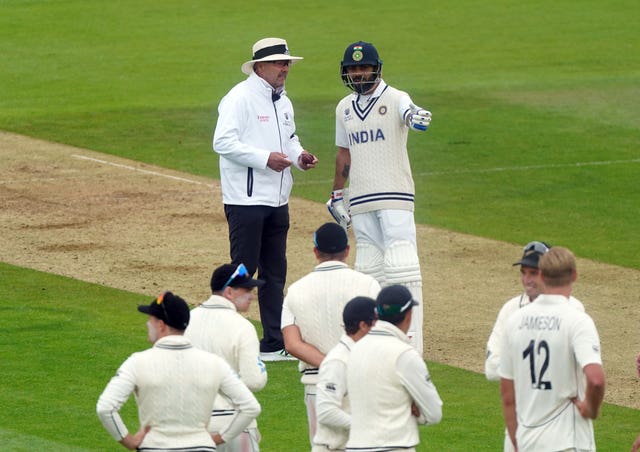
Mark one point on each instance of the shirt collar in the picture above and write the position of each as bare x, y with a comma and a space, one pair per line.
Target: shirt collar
364, 98
262, 83
219, 301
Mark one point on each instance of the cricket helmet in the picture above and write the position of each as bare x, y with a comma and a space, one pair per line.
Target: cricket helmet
361, 54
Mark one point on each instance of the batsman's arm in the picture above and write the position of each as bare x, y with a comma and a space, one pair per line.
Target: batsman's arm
343, 166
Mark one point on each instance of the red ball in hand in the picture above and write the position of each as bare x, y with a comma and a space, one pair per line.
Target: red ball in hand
307, 159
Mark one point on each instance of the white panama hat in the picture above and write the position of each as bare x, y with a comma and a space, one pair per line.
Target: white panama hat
269, 49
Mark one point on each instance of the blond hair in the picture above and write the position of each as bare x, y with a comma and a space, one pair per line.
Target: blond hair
558, 265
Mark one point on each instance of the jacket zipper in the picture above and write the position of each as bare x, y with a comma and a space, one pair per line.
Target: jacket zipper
275, 109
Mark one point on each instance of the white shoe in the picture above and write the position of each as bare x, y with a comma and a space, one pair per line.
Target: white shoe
278, 355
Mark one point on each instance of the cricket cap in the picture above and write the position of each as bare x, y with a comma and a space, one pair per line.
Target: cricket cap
330, 238
169, 308
229, 275
394, 300
531, 254
358, 309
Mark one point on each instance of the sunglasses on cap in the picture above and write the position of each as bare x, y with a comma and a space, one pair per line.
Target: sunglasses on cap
535, 247
159, 302
240, 270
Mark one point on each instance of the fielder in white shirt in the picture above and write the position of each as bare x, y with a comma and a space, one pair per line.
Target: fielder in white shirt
332, 400
218, 327
390, 389
175, 385
552, 377
533, 286
312, 310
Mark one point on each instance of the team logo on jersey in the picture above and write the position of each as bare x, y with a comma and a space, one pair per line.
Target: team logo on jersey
263, 118
357, 53
347, 114
382, 110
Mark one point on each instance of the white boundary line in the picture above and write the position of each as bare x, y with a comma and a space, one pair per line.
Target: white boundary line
140, 170
501, 169
423, 174
529, 167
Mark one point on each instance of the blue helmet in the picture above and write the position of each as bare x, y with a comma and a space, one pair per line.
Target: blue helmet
361, 54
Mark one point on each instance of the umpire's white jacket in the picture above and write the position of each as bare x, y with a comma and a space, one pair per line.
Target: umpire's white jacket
250, 126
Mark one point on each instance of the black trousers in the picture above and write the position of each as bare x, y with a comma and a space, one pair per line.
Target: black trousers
258, 239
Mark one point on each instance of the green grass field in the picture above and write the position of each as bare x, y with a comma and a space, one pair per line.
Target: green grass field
535, 135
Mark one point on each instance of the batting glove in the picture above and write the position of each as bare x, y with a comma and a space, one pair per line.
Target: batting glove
418, 118
338, 209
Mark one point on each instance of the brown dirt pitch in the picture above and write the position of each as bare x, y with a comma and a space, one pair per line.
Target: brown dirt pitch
131, 226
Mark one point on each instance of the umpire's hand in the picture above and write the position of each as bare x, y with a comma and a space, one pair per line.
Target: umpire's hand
278, 161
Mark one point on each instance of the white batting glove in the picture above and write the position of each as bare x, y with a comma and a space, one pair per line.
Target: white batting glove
338, 209
418, 118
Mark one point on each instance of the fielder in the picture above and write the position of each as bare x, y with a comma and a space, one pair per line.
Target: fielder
532, 283
552, 382
312, 309
218, 327
175, 385
390, 388
372, 125
332, 400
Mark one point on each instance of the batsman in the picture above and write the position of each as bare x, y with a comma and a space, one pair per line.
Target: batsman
372, 125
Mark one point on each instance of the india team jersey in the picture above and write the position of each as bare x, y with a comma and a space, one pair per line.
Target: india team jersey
376, 136
545, 347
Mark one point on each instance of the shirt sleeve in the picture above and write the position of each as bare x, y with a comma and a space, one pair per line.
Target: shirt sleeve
330, 392
287, 318
251, 368
494, 345
415, 377
293, 146
586, 342
116, 393
242, 399
404, 107
227, 138
505, 369
341, 133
